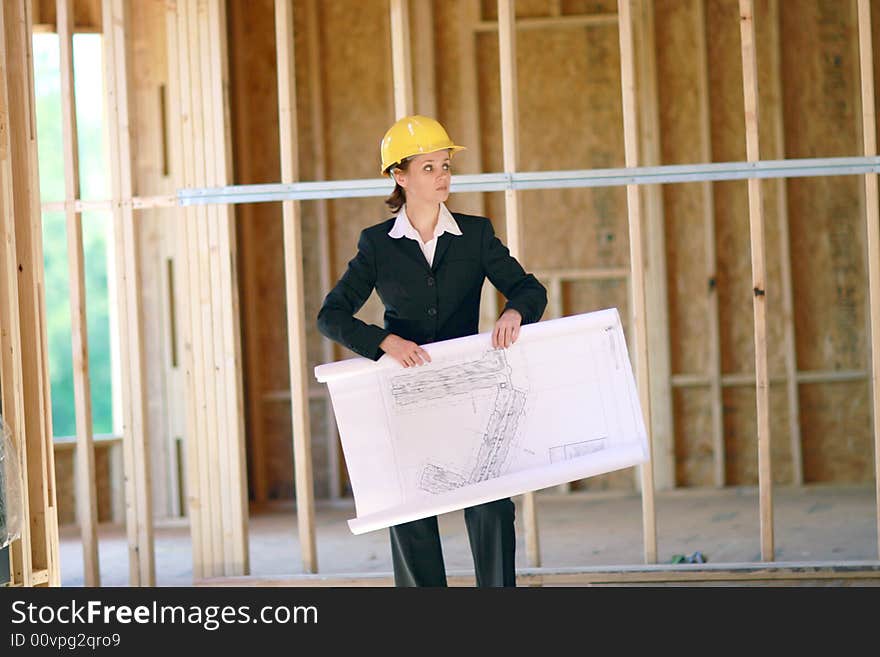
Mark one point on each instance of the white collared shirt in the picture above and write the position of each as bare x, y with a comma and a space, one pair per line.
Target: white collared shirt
445, 224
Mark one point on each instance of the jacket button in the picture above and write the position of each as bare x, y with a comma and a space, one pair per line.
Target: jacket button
430, 281
432, 311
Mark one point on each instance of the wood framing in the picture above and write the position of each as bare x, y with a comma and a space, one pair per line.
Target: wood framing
872, 212
296, 328
401, 61
87, 508
625, 12
796, 573
791, 374
759, 276
138, 500
319, 162
656, 293
217, 490
510, 146
23, 344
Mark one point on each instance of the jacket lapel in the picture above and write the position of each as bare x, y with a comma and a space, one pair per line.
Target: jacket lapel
411, 249
442, 246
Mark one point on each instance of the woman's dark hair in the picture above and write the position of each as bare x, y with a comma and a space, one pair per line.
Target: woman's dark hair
398, 196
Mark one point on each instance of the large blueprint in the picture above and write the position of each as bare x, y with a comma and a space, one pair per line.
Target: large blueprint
479, 424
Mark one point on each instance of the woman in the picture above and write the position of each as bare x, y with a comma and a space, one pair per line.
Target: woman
428, 266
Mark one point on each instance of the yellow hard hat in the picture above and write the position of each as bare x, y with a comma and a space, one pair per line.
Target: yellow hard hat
413, 135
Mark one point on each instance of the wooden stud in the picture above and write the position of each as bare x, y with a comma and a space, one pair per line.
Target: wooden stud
795, 573
180, 98
759, 277
37, 551
542, 23
710, 256
510, 142
87, 507
319, 148
791, 381
401, 62
637, 278
296, 328
872, 211
139, 516
468, 98
425, 79
11, 356
656, 293
219, 474
239, 557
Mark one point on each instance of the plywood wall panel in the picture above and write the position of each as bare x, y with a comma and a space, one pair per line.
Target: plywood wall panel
694, 453
741, 436
837, 433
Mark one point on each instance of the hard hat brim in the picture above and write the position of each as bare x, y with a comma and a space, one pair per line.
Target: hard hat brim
453, 149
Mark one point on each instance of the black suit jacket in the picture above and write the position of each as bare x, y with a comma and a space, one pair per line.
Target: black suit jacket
426, 303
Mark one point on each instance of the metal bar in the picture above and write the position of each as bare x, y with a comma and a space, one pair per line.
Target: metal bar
494, 182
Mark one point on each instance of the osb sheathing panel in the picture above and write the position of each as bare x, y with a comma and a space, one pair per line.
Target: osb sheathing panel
575, 122
828, 245
741, 436
735, 294
679, 30
822, 100
837, 433
694, 453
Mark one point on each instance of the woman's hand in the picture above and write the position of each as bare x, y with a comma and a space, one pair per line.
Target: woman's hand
405, 352
506, 328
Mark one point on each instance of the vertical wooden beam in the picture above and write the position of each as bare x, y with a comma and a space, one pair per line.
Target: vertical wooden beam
182, 151
401, 62
319, 160
296, 325
139, 511
759, 276
872, 213
11, 357
223, 530
510, 143
656, 294
200, 252
236, 536
791, 384
30, 400
468, 97
86, 504
710, 257
636, 253
425, 79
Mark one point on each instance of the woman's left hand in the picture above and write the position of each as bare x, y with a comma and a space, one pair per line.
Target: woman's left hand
506, 328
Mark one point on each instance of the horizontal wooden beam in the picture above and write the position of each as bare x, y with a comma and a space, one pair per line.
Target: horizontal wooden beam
693, 574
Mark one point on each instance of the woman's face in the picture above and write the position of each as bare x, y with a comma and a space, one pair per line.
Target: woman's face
427, 178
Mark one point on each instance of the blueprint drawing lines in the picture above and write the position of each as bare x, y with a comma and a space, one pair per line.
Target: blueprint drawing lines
489, 373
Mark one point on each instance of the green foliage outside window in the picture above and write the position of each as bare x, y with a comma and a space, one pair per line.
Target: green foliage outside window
94, 183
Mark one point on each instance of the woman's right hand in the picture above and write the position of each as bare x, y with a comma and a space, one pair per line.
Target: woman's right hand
405, 352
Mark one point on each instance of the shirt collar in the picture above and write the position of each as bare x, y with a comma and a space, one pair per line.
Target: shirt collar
403, 227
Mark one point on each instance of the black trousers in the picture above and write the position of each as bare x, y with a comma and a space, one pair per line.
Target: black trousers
418, 557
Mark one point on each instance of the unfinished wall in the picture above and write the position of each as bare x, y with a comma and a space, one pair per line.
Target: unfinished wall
570, 117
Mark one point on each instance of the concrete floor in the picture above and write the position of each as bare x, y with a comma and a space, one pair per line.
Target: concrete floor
814, 523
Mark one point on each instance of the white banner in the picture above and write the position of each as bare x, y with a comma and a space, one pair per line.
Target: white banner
479, 424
